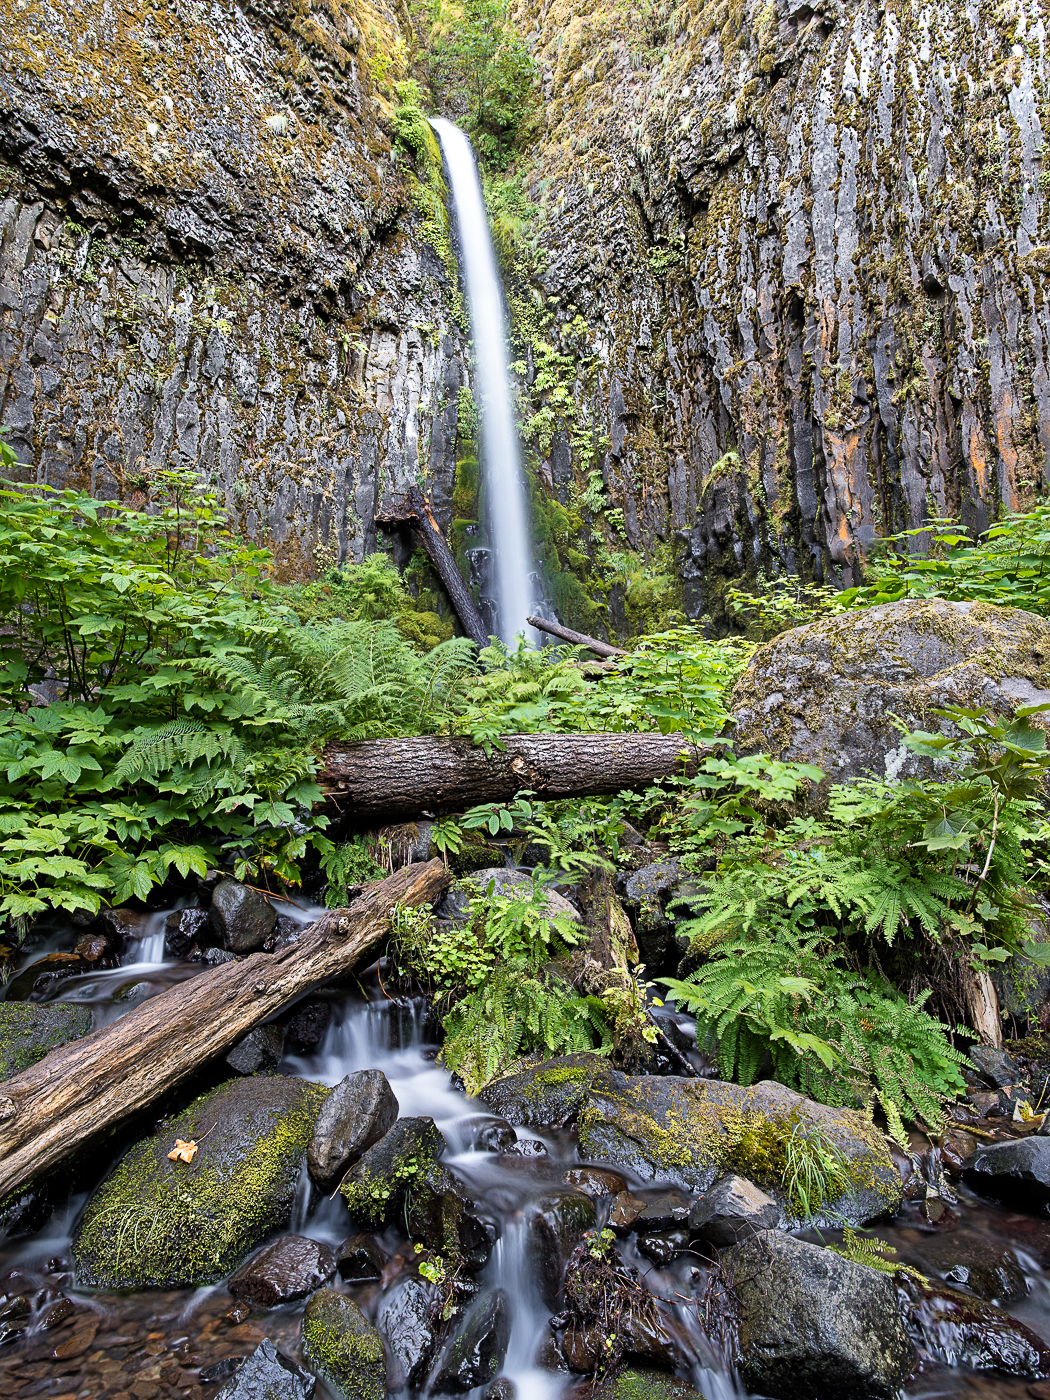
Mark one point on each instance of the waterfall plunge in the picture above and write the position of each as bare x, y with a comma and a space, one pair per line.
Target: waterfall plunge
500, 453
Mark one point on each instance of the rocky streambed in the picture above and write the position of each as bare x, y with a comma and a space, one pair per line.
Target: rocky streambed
326, 1214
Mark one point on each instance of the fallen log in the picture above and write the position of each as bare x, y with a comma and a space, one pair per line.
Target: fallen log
580, 639
380, 778
413, 508
94, 1083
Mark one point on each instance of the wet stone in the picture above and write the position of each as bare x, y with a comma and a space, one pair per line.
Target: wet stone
1017, 1173
547, 1095
731, 1210
182, 929
374, 1186
998, 1069
625, 1211
526, 1147
267, 1374
987, 1269
361, 1258
342, 1347
957, 1146
305, 1028
503, 1389
558, 1222
664, 1248
493, 1135
289, 1268
477, 1354
358, 1112
441, 1214
663, 1213
28, 1031
596, 1182
410, 1329
958, 1330
240, 919
259, 1052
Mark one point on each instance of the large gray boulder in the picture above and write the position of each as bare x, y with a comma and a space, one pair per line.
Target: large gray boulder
814, 1326
28, 1030
159, 1223
1015, 1172
241, 919
356, 1114
827, 693
689, 1132
546, 1095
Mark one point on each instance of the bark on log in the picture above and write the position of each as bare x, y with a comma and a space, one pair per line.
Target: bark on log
93, 1083
414, 508
579, 639
381, 778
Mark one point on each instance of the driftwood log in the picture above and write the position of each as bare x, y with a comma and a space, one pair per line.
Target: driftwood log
413, 508
386, 778
580, 639
94, 1083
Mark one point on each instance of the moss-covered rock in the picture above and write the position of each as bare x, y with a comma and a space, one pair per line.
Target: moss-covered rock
473, 857
157, 1223
547, 1095
28, 1030
375, 1185
342, 1347
828, 693
640, 1383
690, 1131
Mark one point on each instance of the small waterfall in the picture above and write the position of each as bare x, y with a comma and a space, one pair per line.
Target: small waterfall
500, 450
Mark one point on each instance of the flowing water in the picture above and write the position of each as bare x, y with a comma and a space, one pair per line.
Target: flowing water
137, 1346
500, 449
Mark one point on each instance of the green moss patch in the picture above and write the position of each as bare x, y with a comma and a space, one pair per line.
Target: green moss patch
342, 1347
28, 1031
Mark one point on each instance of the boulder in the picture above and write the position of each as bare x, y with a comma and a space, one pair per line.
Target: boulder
159, 1223
259, 1052
646, 895
957, 1330
996, 1068
556, 1226
29, 1030
667, 1211
357, 1113
361, 1259
1017, 1173
289, 1268
688, 1132
595, 1182
267, 1375
988, 1269
662, 1249
123, 926
305, 1028
342, 1347
374, 1187
504, 882
410, 1327
182, 928
440, 1213
241, 919
814, 1326
546, 1095
731, 1211
476, 1355
829, 693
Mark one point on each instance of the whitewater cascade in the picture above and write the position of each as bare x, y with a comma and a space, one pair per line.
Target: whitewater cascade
500, 451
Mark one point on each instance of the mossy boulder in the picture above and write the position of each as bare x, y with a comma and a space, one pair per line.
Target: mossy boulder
342, 1347
374, 1187
546, 1095
157, 1223
641, 1383
691, 1131
28, 1030
828, 693
473, 857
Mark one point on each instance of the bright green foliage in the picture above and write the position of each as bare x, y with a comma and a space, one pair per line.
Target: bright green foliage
815, 1171
352, 863
779, 604
874, 1253
1008, 566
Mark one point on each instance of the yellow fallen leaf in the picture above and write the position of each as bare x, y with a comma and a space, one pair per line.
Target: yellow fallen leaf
182, 1151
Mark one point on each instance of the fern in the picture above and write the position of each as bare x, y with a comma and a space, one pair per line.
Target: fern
874, 1253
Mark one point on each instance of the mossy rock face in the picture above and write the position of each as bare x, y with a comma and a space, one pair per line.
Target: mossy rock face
547, 1095
640, 1383
28, 1030
155, 1223
827, 693
475, 857
690, 1131
375, 1185
342, 1347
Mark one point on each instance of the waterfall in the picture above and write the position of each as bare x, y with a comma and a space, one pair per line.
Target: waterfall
500, 451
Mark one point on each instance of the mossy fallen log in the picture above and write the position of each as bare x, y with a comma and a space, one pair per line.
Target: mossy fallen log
83, 1088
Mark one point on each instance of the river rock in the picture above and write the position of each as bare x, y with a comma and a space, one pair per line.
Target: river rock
667, 1211
410, 1328
240, 919
641, 1383
374, 1187
268, 1375
476, 1355
342, 1347
662, 1249
288, 1268
958, 1330
491, 1134
192, 1223
357, 1113
305, 1028
442, 1215
814, 1326
39, 978
546, 1095
1015, 1172
28, 1030
556, 1226
731, 1211
182, 928
595, 1182
123, 926
259, 1052
674, 1130
988, 1269
997, 1068
830, 693
646, 895
361, 1258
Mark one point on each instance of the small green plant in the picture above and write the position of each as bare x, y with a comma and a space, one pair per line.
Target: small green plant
352, 863
816, 1171
600, 1242
874, 1253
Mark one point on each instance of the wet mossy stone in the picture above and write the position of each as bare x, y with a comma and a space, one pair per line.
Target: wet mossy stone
830, 693
473, 857
28, 1030
342, 1347
157, 1223
640, 1383
690, 1131
546, 1095
374, 1187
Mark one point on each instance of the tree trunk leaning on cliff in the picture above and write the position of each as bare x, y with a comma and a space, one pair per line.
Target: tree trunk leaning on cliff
579, 639
413, 508
92, 1084
386, 778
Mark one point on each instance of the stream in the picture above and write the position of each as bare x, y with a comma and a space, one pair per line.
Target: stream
158, 1344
